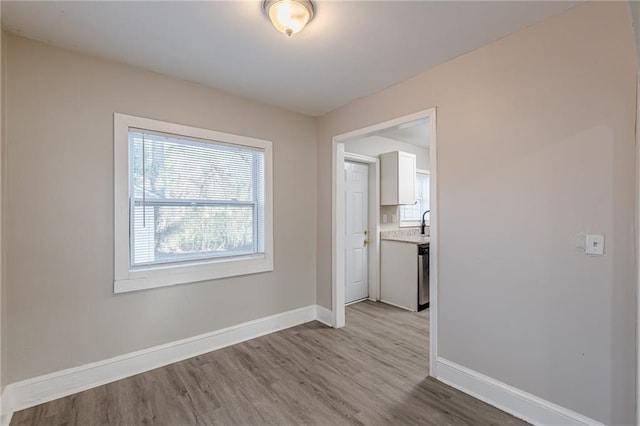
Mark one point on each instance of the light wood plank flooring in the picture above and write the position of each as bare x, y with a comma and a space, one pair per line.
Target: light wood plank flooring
372, 372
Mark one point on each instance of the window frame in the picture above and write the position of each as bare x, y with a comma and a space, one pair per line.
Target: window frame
132, 278
413, 223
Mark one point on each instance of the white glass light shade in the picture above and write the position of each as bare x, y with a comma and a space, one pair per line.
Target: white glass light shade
289, 16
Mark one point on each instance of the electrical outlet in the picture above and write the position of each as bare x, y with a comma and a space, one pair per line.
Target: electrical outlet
594, 244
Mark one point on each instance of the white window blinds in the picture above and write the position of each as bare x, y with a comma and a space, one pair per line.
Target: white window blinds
192, 200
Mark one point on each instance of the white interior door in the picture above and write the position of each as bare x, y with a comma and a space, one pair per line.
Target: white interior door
357, 225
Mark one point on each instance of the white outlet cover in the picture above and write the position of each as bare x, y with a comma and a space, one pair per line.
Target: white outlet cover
594, 244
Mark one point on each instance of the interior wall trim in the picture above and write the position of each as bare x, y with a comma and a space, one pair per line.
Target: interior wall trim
5, 419
38, 390
31, 392
514, 401
324, 315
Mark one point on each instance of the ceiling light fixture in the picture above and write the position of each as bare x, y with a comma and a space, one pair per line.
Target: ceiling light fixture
289, 16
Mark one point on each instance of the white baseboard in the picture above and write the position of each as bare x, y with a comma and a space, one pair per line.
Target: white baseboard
324, 315
5, 419
507, 398
37, 390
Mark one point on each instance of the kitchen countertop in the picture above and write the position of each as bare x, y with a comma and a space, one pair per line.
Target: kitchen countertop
412, 236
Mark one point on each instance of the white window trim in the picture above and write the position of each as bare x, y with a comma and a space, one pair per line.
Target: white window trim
412, 224
127, 278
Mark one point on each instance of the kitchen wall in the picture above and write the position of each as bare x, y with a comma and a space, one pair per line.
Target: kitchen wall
375, 145
59, 211
535, 146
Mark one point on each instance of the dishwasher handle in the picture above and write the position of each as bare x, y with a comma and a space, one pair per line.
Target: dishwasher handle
423, 276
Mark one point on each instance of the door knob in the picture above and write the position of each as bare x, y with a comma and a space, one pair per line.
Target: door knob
366, 241
365, 232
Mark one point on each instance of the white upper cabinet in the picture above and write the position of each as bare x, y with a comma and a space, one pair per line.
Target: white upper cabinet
398, 178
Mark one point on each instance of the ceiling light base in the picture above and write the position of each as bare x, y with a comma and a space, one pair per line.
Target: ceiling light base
289, 16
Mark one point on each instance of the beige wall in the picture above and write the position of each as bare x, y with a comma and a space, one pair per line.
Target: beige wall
535, 144
59, 212
634, 15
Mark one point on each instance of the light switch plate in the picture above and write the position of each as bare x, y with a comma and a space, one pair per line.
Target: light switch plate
594, 244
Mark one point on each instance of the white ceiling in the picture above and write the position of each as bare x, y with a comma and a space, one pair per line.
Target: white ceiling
351, 49
414, 132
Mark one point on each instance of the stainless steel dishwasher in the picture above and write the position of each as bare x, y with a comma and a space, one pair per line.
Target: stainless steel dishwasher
423, 276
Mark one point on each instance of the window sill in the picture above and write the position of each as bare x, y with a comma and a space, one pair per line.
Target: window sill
163, 276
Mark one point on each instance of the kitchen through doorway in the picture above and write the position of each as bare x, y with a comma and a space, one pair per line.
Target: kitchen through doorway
385, 217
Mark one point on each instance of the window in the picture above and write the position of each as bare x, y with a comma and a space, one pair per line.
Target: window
412, 215
191, 204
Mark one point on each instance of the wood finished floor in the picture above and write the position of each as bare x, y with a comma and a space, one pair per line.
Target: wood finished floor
372, 372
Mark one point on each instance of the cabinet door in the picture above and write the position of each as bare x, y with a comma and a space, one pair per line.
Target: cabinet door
399, 274
389, 179
406, 178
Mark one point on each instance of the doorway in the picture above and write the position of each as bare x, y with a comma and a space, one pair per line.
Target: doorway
356, 231
341, 245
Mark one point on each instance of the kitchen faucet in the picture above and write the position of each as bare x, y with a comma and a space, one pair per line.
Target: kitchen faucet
423, 224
